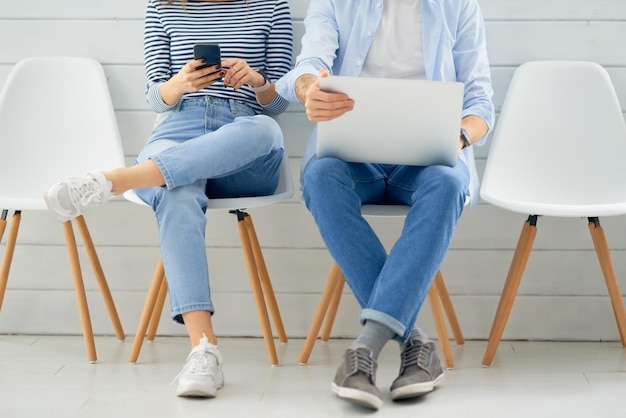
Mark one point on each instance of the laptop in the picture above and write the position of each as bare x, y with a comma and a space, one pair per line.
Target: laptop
394, 121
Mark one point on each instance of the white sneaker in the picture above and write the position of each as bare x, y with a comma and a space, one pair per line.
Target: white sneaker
202, 374
72, 197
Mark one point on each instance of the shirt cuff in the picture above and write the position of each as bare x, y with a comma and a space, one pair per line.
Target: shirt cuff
276, 106
154, 99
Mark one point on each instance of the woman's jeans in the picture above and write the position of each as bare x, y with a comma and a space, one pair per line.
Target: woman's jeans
390, 288
205, 148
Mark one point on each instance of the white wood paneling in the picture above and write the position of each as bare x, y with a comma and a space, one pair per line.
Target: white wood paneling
562, 282
538, 10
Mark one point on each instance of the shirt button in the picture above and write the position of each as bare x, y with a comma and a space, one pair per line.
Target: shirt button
359, 63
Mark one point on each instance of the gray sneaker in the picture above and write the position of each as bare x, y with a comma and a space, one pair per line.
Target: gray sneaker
420, 370
70, 198
355, 379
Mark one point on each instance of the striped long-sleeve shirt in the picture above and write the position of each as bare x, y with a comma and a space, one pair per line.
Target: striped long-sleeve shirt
257, 31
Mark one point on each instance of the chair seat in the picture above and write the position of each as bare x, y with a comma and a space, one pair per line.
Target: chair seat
23, 203
557, 209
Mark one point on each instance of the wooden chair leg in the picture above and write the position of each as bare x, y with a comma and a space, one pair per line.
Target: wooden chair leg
3, 279
448, 308
9, 250
440, 326
266, 284
257, 290
100, 278
516, 270
320, 314
158, 309
329, 321
148, 308
606, 264
3, 222
79, 287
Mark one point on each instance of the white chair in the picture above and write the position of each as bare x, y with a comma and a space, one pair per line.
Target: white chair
558, 150
437, 296
259, 278
56, 121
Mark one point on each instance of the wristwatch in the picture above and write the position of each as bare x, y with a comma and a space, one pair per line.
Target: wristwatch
466, 138
265, 86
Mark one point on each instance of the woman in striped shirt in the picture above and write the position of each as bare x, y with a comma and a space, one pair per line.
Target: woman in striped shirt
211, 140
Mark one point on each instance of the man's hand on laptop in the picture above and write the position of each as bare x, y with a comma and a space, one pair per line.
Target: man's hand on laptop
320, 105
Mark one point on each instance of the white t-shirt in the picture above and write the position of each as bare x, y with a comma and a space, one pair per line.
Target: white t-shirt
396, 51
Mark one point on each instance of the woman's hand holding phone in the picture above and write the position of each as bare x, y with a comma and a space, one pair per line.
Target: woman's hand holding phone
204, 70
189, 80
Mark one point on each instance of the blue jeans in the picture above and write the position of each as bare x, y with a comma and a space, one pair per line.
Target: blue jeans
205, 148
390, 288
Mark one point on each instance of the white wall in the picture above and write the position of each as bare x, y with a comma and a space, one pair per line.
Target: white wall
562, 295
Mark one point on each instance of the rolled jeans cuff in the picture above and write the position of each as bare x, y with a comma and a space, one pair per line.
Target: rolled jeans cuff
387, 320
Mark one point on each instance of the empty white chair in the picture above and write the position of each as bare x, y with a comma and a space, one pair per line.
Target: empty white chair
557, 150
56, 121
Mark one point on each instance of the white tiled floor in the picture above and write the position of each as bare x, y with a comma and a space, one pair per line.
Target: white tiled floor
48, 376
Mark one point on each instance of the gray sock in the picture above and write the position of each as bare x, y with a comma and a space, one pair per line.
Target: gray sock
417, 334
374, 337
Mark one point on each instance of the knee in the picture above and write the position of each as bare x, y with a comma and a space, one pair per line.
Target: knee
455, 183
449, 184
321, 171
267, 128
325, 176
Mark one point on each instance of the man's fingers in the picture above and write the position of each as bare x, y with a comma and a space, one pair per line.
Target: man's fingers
322, 111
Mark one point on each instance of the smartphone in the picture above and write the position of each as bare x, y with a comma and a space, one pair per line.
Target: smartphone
210, 53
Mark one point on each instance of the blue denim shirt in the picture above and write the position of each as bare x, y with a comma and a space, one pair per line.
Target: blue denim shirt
339, 34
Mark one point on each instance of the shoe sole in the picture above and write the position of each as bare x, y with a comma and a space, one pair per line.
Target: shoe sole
196, 393
416, 389
358, 396
195, 390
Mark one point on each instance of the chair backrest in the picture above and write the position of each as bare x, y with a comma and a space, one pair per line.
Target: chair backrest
558, 145
284, 191
56, 121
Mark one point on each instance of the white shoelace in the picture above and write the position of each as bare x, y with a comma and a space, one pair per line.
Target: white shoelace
199, 361
86, 194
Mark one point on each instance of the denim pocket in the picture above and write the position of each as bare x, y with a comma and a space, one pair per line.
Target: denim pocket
240, 109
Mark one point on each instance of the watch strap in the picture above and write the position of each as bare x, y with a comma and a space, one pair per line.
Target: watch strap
466, 138
265, 86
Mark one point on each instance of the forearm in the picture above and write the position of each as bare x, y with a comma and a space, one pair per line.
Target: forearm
303, 83
475, 127
266, 97
170, 92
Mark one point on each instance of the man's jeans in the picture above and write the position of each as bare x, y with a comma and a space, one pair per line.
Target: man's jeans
390, 288
205, 148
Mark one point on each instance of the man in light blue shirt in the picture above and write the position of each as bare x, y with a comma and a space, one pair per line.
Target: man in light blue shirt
441, 40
